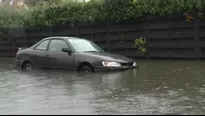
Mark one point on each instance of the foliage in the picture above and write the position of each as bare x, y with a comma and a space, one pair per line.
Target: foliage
56, 12
10, 17
140, 44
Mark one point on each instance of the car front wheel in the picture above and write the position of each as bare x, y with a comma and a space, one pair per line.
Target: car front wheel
27, 67
86, 69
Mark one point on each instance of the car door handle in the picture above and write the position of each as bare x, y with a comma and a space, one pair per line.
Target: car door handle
50, 58
47, 56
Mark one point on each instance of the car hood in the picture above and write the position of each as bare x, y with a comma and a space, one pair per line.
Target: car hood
111, 57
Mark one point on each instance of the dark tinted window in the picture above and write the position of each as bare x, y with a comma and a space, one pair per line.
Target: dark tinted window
42, 46
57, 45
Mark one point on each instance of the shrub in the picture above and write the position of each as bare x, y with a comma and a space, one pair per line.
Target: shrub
68, 11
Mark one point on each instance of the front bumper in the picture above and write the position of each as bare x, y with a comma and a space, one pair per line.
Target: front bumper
17, 64
102, 68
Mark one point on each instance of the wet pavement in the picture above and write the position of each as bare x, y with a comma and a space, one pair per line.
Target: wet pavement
156, 87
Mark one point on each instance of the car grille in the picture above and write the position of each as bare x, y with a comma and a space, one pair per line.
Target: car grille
127, 64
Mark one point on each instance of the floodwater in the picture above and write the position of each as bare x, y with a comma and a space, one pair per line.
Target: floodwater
156, 87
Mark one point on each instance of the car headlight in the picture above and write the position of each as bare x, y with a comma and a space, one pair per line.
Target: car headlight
111, 64
134, 64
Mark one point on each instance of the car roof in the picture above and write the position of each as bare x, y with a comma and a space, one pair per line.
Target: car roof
62, 37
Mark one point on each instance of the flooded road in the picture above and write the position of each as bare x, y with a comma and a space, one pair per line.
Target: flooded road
156, 87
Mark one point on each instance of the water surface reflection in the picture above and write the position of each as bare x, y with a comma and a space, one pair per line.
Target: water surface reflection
157, 87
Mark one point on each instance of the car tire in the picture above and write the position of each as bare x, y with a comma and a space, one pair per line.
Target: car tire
86, 69
27, 67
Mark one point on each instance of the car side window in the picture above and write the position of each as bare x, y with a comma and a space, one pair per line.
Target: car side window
57, 45
42, 46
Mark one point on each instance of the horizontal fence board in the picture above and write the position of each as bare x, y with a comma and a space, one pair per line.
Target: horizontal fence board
172, 45
131, 53
120, 28
100, 41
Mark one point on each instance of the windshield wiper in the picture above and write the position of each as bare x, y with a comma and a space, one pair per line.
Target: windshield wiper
95, 51
91, 51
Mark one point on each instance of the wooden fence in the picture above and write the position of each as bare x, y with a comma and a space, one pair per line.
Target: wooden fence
166, 37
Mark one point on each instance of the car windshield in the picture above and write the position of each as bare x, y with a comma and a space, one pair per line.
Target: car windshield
82, 45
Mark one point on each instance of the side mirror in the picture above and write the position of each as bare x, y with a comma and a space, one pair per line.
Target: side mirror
66, 50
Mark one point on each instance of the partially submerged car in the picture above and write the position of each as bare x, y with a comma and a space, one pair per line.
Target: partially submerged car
70, 53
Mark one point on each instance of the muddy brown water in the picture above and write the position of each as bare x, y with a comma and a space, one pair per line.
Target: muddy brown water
156, 87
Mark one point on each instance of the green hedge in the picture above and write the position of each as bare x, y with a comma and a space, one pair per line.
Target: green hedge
65, 11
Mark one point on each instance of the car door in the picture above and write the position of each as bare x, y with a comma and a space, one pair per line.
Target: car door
57, 58
39, 54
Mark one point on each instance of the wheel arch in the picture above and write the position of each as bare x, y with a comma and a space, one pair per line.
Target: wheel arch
85, 63
25, 62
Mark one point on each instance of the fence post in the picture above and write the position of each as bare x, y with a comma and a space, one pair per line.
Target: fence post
170, 36
11, 38
197, 39
147, 21
14, 46
77, 30
93, 33
108, 36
